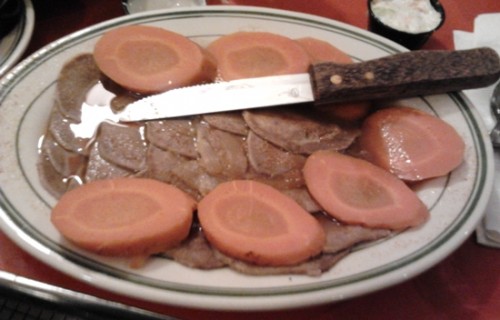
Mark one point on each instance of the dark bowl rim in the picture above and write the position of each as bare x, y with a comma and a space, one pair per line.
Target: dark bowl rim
435, 4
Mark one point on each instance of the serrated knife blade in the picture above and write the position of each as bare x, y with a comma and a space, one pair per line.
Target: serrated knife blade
401, 75
222, 96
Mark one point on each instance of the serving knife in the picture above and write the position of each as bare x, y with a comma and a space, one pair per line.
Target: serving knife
401, 75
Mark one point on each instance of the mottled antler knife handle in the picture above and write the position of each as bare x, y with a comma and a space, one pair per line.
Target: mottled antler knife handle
405, 75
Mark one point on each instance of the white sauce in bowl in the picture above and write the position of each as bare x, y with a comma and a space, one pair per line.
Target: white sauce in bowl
413, 16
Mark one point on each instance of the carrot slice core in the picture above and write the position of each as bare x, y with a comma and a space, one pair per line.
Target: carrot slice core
249, 217
361, 191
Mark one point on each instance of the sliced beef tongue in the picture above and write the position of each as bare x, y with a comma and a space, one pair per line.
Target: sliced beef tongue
65, 162
195, 252
341, 236
58, 168
122, 145
298, 131
228, 121
196, 177
304, 198
221, 153
98, 168
162, 165
312, 267
61, 130
177, 135
75, 79
51, 179
289, 180
180, 171
266, 158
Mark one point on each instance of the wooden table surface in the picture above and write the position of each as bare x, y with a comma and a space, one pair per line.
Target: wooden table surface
466, 285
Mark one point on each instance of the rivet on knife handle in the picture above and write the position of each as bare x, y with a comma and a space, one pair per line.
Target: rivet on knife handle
405, 75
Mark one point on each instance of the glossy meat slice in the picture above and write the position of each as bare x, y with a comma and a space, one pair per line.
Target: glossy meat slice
290, 180
65, 162
122, 145
304, 198
221, 153
61, 131
177, 135
228, 121
299, 131
268, 159
98, 168
191, 173
312, 267
180, 171
75, 79
52, 180
162, 165
340, 236
195, 252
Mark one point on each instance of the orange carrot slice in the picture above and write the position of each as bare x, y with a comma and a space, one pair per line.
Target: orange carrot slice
357, 192
148, 59
256, 223
124, 217
411, 144
257, 54
322, 51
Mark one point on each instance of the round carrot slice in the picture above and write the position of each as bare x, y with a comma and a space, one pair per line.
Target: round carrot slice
148, 59
256, 223
257, 54
357, 192
124, 217
322, 51
411, 144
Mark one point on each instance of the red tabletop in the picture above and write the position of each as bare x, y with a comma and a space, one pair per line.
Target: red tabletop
466, 285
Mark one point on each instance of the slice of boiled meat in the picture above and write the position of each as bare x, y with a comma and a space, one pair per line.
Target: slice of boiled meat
266, 158
122, 145
65, 162
192, 174
304, 198
182, 172
341, 236
228, 121
195, 252
312, 267
162, 165
289, 180
99, 169
61, 131
75, 79
297, 131
221, 153
177, 135
52, 180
